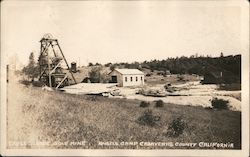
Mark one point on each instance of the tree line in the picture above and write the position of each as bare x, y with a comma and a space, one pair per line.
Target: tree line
194, 64
199, 65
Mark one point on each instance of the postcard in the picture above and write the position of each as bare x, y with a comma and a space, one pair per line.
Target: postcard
125, 78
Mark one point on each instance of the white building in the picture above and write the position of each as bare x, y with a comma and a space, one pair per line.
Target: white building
127, 77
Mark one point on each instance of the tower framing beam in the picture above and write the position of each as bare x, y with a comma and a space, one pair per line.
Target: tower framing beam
50, 59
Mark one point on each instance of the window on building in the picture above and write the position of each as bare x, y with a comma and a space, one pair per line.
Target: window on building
131, 79
136, 78
126, 79
141, 78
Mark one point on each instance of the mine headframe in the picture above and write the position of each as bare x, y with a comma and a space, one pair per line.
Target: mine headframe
50, 62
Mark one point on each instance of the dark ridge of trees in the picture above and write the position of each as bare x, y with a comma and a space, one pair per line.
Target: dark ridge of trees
200, 65
196, 65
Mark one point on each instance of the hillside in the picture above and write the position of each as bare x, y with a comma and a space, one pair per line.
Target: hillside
230, 65
55, 118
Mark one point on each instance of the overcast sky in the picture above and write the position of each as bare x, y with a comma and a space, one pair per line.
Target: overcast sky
124, 31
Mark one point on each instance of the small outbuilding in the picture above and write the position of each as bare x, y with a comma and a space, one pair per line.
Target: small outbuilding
127, 77
73, 67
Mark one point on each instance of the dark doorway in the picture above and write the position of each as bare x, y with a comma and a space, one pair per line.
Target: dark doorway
113, 79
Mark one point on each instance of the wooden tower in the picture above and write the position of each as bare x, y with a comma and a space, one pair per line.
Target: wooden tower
50, 62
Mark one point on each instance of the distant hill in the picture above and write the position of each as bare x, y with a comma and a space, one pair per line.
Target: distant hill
224, 69
229, 65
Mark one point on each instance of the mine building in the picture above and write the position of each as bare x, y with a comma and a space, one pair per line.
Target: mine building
127, 77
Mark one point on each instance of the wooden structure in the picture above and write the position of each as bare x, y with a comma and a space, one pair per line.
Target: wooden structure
73, 67
127, 77
51, 57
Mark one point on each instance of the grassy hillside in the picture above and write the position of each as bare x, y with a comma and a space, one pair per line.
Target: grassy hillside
34, 114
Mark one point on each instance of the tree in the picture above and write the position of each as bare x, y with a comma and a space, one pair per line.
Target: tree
31, 70
97, 64
112, 67
95, 75
32, 59
108, 64
90, 64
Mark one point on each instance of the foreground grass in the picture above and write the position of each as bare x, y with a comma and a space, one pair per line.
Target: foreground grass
37, 115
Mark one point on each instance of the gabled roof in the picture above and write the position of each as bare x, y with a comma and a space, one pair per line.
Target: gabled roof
130, 71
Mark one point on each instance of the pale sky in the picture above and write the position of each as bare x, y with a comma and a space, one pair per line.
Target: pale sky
123, 31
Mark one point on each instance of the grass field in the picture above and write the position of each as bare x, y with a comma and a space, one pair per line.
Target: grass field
38, 115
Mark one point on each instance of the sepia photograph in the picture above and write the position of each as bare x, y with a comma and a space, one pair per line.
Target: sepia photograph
140, 78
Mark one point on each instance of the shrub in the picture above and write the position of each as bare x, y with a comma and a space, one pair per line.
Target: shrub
37, 83
144, 104
176, 127
25, 82
219, 103
148, 119
159, 103
95, 75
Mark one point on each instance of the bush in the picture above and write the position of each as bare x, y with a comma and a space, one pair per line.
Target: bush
37, 83
176, 127
25, 82
148, 119
220, 103
159, 103
144, 104
95, 75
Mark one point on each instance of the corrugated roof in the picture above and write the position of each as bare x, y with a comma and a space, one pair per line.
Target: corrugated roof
129, 71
